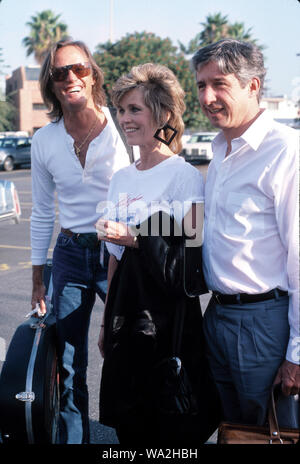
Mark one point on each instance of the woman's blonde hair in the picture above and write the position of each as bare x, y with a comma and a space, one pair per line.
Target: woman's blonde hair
162, 95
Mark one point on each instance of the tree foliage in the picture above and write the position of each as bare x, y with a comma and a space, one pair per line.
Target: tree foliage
143, 47
137, 48
2, 65
7, 110
7, 115
45, 29
215, 28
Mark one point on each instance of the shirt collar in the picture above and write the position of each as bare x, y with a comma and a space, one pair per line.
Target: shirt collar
254, 135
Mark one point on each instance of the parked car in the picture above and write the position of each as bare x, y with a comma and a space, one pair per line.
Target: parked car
9, 201
197, 147
14, 151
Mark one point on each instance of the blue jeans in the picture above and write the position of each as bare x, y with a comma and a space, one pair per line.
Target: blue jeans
77, 277
246, 345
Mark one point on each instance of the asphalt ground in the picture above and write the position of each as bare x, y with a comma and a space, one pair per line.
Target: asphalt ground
15, 296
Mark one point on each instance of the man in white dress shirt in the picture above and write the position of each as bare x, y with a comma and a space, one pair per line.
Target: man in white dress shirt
76, 156
251, 238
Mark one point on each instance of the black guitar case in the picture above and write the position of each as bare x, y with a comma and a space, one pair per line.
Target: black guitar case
29, 381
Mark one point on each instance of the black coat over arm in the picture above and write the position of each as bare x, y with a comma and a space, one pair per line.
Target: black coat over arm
144, 292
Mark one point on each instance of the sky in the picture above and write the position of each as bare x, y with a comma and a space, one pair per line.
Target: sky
274, 23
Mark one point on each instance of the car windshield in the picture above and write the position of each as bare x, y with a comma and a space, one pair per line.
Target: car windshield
196, 138
4, 143
23, 143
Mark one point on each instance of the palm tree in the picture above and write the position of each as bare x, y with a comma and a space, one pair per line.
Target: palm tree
237, 31
217, 27
45, 30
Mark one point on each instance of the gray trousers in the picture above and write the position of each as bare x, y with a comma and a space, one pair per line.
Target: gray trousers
246, 345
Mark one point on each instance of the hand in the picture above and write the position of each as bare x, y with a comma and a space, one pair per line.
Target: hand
101, 341
38, 289
114, 232
289, 377
38, 297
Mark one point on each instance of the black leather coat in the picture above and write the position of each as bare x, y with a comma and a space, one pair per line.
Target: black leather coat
145, 290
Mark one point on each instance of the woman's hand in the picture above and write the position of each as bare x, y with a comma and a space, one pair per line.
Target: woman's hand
115, 232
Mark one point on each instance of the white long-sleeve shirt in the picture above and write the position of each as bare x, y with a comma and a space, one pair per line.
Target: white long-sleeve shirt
55, 166
251, 229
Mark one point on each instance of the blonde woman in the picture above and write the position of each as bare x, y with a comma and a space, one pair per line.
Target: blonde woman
136, 332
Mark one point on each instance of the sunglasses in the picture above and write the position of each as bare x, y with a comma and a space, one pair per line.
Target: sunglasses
79, 69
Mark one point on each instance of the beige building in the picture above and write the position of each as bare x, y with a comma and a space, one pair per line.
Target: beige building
23, 87
282, 109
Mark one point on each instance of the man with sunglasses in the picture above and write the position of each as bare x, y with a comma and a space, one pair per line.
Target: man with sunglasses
76, 156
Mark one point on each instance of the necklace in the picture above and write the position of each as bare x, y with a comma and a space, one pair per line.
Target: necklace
78, 147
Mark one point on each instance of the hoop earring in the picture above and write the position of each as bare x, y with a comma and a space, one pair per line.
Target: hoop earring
166, 142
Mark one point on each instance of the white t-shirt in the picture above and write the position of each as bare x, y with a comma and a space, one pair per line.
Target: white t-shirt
55, 167
134, 195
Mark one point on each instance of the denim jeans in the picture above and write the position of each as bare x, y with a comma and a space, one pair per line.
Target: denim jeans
77, 277
246, 345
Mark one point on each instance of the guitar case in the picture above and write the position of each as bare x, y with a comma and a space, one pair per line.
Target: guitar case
29, 381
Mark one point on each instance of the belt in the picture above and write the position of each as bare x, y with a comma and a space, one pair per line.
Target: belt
84, 240
67, 232
240, 298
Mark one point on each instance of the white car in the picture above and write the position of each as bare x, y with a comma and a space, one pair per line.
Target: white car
197, 147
